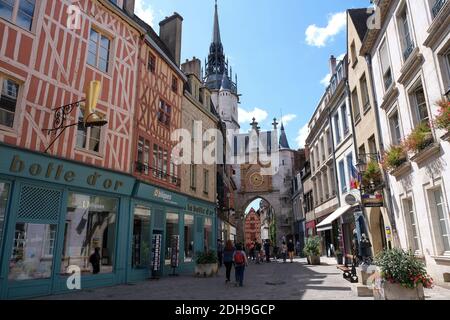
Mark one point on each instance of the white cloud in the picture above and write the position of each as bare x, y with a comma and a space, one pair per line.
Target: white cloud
326, 80
145, 11
341, 57
319, 36
246, 117
302, 135
288, 118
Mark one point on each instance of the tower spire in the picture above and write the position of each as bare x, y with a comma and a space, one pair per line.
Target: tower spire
216, 30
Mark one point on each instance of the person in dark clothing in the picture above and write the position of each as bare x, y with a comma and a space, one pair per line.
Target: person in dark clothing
267, 250
94, 259
228, 253
220, 252
291, 250
258, 248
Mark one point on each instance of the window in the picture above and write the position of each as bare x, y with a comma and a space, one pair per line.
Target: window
88, 138
143, 156
90, 225
337, 129
364, 93
437, 204
437, 7
343, 179
4, 195
8, 102
344, 120
193, 176
355, 104
413, 231
172, 236
98, 51
372, 145
160, 162
208, 234
447, 66
405, 34
141, 247
420, 105
349, 164
385, 66
173, 172
174, 84
188, 238
32, 252
151, 66
20, 12
205, 181
394, 123
353, 54
164, 113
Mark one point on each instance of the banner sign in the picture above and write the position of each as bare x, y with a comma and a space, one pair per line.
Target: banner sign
156, 260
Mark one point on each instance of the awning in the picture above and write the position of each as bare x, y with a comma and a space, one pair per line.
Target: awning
327, 223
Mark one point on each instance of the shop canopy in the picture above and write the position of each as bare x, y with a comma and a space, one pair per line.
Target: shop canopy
327, 223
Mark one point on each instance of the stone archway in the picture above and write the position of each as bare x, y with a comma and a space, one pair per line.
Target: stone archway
377, 230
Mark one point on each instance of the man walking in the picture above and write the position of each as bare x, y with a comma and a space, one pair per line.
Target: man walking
267, 250
291, 250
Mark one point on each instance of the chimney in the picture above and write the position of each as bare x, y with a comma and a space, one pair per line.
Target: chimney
129, 7
170, 30
332, 65
192, 67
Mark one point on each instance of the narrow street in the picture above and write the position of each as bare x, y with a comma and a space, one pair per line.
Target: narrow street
274, 281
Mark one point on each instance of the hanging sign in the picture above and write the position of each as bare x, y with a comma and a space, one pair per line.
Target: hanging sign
373, 200
156, 260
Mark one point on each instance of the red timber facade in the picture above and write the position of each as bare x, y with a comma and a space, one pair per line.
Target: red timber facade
158, 112
52, 64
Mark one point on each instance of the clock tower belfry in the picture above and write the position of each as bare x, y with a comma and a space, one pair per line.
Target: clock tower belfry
219, 79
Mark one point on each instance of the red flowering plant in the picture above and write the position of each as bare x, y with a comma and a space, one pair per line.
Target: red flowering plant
394, 157
442, 121
420, 138
402, 267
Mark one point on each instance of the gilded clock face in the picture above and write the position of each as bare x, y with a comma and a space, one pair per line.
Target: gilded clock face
256, 179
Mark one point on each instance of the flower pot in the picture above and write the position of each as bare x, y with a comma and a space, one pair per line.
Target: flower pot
395, 291
314, 260
206, 270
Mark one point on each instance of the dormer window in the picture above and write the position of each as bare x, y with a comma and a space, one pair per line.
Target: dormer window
174, 84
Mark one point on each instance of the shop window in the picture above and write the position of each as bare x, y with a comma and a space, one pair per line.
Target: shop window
90, 226
99, 50
32, 253
171, 233
208, 235
88, 138
188, 238
4, 195
19, 12
141, 249
8, 101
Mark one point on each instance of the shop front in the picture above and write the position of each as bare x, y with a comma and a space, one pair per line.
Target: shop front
167, 229
58, 217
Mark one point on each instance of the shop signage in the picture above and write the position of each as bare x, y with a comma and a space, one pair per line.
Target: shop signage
156, 259
373, 200
388, 233
199, 209
350, 200
149, 192
175, 249
34, 166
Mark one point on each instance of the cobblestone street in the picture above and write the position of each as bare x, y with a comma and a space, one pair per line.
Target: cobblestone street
274, 281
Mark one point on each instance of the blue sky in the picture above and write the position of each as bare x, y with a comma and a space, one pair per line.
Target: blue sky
279, 49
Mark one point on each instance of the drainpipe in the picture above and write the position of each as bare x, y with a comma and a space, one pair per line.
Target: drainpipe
387, 192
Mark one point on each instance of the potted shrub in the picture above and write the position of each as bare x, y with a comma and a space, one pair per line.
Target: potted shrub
402, 276
442, 121
206, 264
419, 139
312, 250
372, 175
339, 257
394, 157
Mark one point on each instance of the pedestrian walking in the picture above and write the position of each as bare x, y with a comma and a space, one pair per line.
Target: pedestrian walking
284, 251
240, 262
291, 250
298, 248
258, 248
220, 252
267, 250
228, 253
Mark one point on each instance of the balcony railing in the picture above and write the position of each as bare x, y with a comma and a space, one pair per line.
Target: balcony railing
407, 52
156, 173
438, 5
